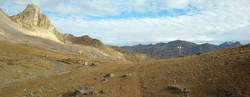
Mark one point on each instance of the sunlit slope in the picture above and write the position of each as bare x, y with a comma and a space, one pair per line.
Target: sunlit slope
216, 74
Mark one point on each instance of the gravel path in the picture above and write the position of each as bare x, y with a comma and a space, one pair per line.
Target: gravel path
57, 68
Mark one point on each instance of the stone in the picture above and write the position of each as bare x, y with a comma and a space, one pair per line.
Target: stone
178, 88
92, 92
126, 75
105, 80
85, 63
84, 90
59, 95
93, 64
34, 94
185, 90
101, 91
109, 75
122, 88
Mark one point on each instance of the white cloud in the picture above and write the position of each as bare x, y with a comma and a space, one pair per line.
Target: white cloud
208, 20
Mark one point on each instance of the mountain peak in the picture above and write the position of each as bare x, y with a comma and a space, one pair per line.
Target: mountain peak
229, 44
32, 6
32, 18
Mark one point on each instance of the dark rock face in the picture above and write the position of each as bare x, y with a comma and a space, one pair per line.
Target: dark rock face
170, 50
229, 44
84, 90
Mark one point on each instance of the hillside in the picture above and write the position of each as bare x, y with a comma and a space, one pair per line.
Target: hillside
223, 73
170, 50
130, 55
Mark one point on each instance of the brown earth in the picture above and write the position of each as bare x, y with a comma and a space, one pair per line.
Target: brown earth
224, 73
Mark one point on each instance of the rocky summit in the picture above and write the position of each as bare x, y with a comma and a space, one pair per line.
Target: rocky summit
32, 18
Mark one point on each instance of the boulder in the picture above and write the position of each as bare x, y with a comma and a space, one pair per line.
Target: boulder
101, 91
93, 64
126, 75
109, 75
84, 90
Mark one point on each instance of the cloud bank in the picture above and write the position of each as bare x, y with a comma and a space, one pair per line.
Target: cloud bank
127, 22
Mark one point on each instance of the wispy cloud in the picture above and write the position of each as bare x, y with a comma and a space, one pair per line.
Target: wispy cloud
146, 21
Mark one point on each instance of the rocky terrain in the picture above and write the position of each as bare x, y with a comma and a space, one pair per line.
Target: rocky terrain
170, 50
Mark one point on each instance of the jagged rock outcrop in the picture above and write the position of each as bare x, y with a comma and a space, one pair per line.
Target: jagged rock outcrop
32, 18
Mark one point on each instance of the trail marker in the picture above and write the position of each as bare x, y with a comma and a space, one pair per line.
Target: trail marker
80, 52
179, 47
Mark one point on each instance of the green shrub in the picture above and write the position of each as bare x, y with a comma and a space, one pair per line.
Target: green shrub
16, 77
10, 63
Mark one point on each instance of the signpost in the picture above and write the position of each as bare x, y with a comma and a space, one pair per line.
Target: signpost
179, 47
80, 52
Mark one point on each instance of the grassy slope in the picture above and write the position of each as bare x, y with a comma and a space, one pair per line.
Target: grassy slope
220, 73
134, 56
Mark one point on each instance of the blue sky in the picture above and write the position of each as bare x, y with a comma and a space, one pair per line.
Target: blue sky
130, 22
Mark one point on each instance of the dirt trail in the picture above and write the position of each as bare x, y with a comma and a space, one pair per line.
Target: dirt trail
57, 68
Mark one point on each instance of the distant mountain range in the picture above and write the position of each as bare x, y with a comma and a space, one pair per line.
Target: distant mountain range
170, 50
229, 44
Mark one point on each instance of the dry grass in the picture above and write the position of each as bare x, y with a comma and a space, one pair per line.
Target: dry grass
216, 74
